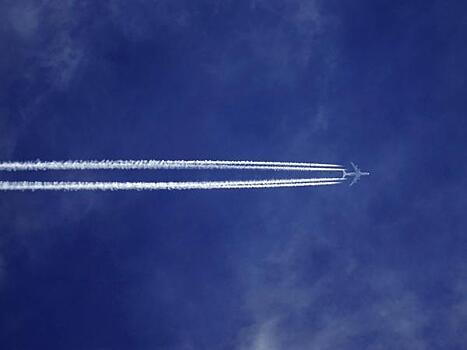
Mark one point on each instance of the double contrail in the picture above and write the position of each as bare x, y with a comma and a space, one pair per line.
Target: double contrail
166, 164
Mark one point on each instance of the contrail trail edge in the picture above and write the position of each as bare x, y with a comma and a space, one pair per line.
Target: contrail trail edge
152, 186
165, 164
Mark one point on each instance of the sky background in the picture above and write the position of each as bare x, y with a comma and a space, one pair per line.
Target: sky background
379, 265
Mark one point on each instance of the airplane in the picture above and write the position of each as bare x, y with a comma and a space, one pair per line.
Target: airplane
357, 173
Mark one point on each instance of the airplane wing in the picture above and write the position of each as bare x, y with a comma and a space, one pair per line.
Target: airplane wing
354, 180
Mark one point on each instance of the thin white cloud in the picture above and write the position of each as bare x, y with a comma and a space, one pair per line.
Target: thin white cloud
395, 315
263, 337
44, 30
43, 50
24, 18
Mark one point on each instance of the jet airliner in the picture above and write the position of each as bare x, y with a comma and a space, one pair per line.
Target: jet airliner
357, 173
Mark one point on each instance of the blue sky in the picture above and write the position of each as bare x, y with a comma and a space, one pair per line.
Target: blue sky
380, 265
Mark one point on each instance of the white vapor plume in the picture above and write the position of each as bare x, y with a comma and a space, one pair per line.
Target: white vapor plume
153, 186
165, 164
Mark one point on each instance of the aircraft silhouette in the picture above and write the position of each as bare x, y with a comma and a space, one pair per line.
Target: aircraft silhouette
357, 173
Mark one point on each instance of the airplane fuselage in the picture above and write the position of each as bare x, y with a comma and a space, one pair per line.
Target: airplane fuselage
356, 174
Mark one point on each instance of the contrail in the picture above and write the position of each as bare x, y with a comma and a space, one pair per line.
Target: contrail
165, 164
153, 186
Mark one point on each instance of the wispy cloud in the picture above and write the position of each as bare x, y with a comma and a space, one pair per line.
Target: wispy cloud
291, 313
44, 30
24, 18
44, 54
280, 51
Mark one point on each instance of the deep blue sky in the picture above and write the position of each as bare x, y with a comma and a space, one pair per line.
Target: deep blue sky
380, 265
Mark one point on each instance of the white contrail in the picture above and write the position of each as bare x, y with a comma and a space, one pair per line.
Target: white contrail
165, 164
152, 186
